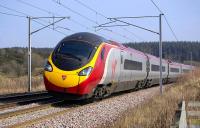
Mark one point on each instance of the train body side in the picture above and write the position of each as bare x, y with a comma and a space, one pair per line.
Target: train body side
124, 69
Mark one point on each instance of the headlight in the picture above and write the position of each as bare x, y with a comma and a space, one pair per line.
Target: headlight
85, 72
48, 67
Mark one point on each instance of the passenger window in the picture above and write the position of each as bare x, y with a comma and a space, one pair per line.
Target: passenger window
174, 70
132, 65
157, 68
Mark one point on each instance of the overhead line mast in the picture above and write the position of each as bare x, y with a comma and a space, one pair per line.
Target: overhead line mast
160, 44
29, 41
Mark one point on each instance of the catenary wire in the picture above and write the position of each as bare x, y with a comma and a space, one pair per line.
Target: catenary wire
53, 13
173, 33
85, 17
27, 15
50, 12
10, 14
86, 6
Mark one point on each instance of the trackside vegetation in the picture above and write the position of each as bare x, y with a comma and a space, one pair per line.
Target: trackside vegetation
160, 110
19, 84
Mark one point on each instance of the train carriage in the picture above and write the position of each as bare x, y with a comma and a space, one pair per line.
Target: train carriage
174, 71
154, 73
85, 65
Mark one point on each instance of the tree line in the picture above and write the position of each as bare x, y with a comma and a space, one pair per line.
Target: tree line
176, 51
14, 61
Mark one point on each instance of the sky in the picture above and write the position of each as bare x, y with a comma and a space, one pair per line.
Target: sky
182, 15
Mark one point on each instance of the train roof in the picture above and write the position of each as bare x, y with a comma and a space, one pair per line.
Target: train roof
86, 37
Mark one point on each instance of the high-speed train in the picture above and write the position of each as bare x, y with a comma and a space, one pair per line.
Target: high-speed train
85, 65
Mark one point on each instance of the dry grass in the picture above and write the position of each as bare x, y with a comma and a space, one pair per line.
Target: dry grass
159, 111
20, 84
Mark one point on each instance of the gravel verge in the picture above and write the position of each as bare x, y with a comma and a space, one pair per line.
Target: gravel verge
28, 116
98, 114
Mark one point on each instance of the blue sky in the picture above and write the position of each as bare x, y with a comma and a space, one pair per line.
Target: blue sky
183, 16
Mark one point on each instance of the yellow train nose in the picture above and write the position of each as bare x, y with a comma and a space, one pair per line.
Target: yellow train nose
62, 79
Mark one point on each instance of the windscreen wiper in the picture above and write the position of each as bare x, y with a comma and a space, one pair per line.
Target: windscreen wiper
69, 55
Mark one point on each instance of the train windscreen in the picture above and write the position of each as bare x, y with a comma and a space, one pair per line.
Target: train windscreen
71, 55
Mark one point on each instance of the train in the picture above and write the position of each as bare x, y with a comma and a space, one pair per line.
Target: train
85, 65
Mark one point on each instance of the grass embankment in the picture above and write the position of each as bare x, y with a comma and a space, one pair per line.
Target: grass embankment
160, 110
20, 84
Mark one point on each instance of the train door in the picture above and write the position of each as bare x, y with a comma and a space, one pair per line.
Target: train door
121, 76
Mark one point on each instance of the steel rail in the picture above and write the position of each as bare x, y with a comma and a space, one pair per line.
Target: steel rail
23, 102
29, 110
21, 95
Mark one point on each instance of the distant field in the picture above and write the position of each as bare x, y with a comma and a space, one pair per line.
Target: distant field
20, 84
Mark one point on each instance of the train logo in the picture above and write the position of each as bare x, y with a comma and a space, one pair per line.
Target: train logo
64, 77
114, 64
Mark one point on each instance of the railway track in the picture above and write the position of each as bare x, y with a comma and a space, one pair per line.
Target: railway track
13, 100
60, 105
36, 120
30, 109
24, 102
19, 105
29, 116
20, 96
71, 114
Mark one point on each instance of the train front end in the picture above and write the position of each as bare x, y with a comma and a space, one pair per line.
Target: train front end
72, 68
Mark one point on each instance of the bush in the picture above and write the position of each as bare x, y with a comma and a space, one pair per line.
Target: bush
14, 61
